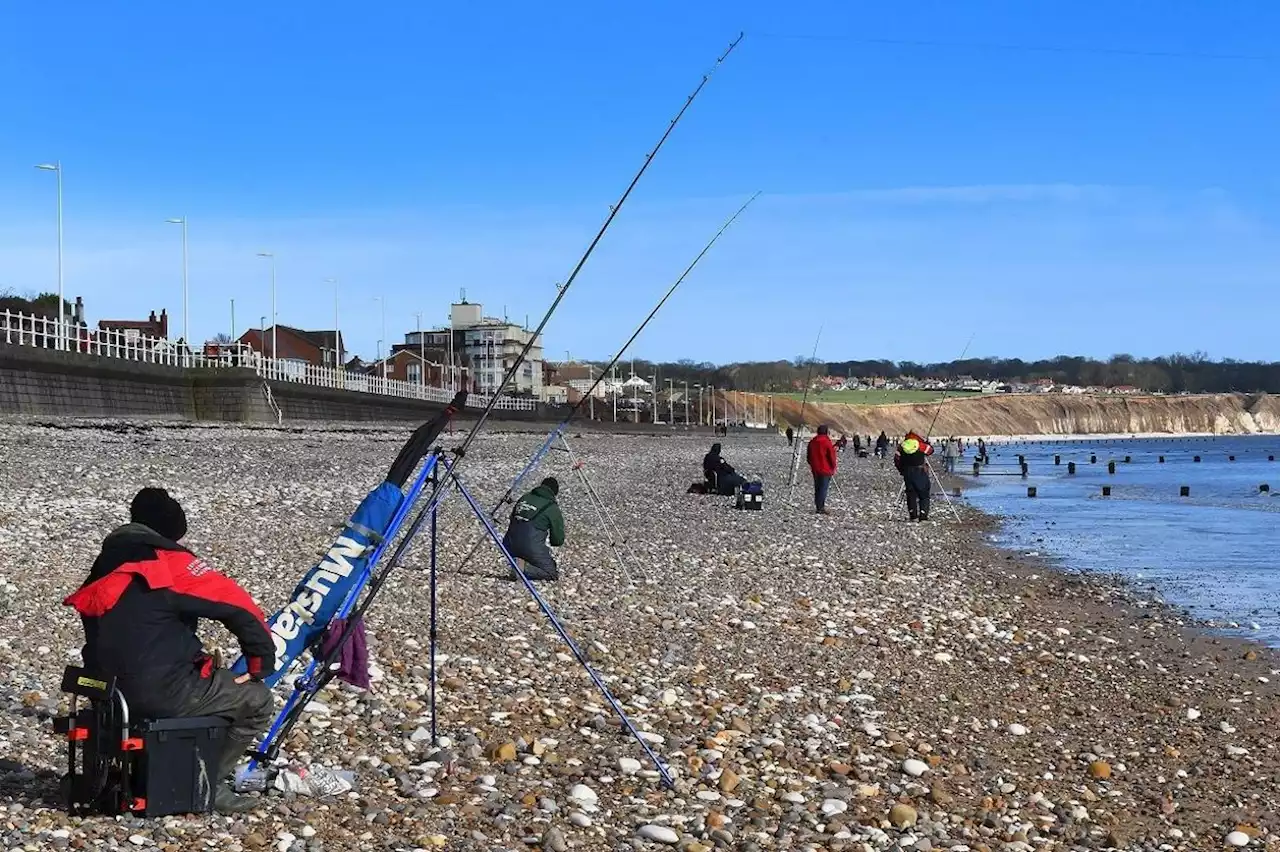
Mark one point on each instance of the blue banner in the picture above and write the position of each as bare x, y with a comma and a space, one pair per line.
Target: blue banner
318, 597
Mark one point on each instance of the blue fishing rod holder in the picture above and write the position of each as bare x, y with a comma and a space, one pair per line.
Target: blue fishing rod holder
436, 469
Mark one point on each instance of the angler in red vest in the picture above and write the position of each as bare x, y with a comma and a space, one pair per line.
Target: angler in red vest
141, 605
912, 461
822, 462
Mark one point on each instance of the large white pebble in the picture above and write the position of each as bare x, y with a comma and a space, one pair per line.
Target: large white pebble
1192, 714
1237, 838
831, 807
659, 834
584, 794
914, 768
1018, 730
628, 765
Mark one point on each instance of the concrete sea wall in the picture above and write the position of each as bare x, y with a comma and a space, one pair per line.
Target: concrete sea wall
46, 383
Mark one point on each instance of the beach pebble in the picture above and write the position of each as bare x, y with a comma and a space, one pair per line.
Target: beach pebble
659, 834
831, 807
914, 768
1018, 730
1237, 838
902, 816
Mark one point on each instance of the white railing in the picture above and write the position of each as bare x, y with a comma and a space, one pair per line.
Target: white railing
42, 333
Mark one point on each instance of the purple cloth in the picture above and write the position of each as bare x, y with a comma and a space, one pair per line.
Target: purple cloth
353, 660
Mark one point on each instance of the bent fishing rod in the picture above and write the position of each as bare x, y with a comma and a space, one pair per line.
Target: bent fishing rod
378, 579
581, 403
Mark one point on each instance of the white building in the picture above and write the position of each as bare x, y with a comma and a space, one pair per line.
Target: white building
489, 346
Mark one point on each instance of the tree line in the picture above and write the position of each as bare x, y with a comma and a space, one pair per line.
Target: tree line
1177, 373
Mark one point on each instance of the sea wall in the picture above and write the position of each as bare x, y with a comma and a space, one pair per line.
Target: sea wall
46, 383
1051, 414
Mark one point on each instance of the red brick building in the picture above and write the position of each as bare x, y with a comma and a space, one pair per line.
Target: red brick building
317, 348
405, 364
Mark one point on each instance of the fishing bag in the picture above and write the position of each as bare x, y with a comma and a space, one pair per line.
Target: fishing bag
750, 496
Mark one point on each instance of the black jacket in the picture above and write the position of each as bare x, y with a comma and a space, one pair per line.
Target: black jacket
140, 606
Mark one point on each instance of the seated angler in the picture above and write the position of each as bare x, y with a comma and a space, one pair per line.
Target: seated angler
535, 519
141, 605
720, 476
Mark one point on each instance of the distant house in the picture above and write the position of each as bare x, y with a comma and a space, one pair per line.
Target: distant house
406, 365
1127, 390
313, 348
153, 327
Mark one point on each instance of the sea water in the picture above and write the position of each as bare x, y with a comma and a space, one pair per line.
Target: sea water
1215, 552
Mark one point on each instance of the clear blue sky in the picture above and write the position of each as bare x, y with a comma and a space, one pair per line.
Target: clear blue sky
1114, 191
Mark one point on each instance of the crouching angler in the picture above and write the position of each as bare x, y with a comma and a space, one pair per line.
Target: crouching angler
141, 605
535, 520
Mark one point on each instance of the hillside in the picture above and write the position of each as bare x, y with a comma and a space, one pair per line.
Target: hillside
1049, 414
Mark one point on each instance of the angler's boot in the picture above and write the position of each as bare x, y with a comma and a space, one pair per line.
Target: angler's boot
225, 799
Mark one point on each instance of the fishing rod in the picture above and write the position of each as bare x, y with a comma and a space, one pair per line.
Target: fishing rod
577, 407
945, 391
804, 400
438, 485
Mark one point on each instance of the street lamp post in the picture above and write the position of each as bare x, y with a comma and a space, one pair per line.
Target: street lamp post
274, 314
383, 302
337, 334
701, 419
713, 405
186, 328
56, 168
671, 402
591, 381
614, 388
422, 350
653, 394
686, 405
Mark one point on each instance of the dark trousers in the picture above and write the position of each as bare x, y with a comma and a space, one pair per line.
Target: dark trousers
916, 480
247, 706
820, 486
525, 541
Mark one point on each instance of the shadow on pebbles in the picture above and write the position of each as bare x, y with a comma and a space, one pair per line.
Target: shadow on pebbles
840, 682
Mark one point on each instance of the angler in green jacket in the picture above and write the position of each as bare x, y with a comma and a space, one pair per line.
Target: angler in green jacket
535, 519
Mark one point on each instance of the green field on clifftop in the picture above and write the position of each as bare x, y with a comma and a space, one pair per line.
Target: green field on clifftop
875, 397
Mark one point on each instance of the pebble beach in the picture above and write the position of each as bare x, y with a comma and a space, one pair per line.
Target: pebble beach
841, 682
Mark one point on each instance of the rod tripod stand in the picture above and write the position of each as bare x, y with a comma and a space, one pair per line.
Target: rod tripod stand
607, 525
437, 471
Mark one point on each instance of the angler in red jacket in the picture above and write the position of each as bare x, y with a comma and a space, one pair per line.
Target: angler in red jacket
822, 462
912, 461
140, 606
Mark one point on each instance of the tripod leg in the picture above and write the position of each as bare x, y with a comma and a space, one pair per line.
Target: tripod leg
596, 503
950, 505
435, 734
564, 634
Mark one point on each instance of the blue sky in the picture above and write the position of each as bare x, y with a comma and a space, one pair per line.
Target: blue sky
1079, 177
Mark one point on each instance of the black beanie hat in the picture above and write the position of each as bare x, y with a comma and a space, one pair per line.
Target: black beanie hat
154, 508
552, 483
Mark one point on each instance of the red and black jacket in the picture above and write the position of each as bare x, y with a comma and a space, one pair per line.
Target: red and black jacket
141, 604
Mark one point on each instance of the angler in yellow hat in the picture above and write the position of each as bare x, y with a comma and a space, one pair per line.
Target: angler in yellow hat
912, 461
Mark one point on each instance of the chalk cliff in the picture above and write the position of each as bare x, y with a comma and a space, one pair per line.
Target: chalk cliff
1047, 414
